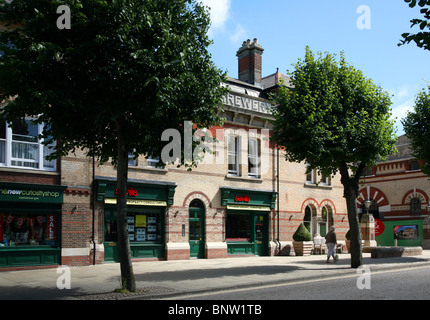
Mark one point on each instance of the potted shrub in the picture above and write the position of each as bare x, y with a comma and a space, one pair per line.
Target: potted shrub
302, 241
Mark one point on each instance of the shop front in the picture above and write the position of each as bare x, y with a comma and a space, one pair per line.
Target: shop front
146, 206
30, 224
247, 220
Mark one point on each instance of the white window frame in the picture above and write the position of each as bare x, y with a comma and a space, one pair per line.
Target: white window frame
312, 174
233, 153
152, 162
254, 158
38, 153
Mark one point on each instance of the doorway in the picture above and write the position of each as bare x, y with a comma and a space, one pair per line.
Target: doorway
197, 229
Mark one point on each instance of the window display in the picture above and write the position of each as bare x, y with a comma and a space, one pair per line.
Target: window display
27, 229
142, 227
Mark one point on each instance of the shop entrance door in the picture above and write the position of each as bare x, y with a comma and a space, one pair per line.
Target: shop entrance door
261, 234
197, 232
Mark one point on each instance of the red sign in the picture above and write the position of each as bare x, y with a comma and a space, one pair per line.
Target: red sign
379, 227
244, 198
130, 192
51, 227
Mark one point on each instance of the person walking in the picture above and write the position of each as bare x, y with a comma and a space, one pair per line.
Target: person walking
331, 241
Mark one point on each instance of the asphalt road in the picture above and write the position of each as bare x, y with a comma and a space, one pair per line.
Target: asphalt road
407, 284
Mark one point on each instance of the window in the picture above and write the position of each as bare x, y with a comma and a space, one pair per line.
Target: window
415, 206
153, 162
310, 174
132, 161
238, 227
233, 155
21, 147
27, 229
325, 180
414, 166
253, 158
307, 220
142, 226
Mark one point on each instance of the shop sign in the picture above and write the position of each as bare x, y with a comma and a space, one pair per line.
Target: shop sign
247, 103
135, 202
379, 227
247, 208
42, 194
244, 198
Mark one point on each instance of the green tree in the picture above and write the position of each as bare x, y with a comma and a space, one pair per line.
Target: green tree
421, 38
124, 72
336, 120
417, 128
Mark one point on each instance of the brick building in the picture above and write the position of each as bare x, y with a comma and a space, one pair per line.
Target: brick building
399, 193
244, 200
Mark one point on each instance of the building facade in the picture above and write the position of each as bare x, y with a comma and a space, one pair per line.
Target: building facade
399, 193
243, 200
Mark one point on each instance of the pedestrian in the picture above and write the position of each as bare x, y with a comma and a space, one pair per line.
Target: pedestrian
331, 241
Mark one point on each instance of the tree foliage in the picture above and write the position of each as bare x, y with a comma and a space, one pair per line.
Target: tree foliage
421, 38
338, 121
140, 65
332, 115
123, 73
417, 128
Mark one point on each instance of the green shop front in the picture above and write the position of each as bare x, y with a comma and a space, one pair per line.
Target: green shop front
247, 220
30, 224
146, 206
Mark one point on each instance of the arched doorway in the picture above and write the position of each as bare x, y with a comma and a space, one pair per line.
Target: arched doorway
197, 229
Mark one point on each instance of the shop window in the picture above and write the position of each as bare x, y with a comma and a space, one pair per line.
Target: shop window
142, 227
233, 155
21, 147
238, 227
253, 158
28, 230
415, 206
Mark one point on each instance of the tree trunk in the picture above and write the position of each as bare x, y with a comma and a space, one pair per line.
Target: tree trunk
354, 226
350, 192
127, 276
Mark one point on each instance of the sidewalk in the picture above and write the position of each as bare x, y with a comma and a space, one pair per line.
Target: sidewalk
161, 279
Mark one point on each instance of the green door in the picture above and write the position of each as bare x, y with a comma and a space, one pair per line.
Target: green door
197, 232
261, 234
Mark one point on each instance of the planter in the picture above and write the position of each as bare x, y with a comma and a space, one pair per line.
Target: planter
303, 248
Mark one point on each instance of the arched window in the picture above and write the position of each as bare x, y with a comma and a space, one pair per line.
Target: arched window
415, 206
307, 220
374, 209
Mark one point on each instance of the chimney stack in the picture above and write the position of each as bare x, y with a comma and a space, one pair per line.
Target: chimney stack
250, 66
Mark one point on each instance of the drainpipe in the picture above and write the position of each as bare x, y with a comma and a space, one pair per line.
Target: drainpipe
93, 200
277, 198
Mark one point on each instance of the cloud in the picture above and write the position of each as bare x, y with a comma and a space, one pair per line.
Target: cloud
239, 33
219, 12
403, 100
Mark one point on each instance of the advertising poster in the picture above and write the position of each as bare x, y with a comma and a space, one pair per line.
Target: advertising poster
140, 221
406, 232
